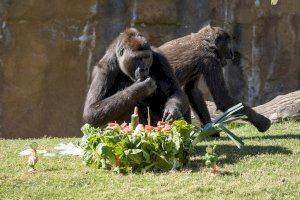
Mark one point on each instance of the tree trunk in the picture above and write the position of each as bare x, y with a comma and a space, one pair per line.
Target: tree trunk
281, 107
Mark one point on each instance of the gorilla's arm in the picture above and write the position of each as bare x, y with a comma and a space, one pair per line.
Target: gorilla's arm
177, 104
215, 81
100, 108
197, 101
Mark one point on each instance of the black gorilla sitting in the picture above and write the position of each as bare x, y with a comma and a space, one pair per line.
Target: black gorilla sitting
131, 73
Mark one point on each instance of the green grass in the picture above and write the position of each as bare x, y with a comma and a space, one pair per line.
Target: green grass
267, 168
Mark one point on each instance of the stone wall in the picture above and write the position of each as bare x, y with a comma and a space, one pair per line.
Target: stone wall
48, 48
268, 41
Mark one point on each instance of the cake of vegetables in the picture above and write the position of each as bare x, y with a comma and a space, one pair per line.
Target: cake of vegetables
135, 147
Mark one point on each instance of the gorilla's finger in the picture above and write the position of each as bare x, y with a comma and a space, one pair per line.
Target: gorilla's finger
170, 120
169, 117
165, 115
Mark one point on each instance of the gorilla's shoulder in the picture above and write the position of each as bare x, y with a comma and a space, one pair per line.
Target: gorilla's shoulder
156, 51
158, 56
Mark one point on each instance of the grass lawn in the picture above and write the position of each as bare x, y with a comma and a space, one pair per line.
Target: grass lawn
268, 167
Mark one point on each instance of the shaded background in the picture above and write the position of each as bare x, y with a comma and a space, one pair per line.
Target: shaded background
48, 49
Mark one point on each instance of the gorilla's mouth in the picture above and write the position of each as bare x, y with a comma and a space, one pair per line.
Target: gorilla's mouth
221, 57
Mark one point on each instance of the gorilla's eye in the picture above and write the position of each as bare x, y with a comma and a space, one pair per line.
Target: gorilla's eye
121, 51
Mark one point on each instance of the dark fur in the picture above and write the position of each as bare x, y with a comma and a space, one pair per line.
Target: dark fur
205, 53
131, 73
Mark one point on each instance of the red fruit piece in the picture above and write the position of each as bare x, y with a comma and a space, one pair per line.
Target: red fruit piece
140, 127
126, 130
167, 127
161, 123
124, 125
149, 128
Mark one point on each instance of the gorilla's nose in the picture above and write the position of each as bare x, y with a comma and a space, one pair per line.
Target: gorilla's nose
144, 46
141, 67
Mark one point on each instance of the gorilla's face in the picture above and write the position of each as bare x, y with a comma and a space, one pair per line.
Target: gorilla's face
134, 54
220, 40
223, 45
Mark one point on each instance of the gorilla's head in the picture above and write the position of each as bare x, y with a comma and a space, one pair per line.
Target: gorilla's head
221, 42
134, 54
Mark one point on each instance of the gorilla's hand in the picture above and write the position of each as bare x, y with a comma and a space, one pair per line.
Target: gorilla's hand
141, 73
149, 85
171, 113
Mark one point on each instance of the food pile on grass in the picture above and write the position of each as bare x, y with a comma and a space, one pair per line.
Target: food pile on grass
117, 148
134, 147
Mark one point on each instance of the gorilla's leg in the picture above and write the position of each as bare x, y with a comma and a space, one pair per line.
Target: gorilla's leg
216, 84
196, 101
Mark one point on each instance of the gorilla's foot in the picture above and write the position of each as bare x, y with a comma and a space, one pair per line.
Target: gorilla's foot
262, 123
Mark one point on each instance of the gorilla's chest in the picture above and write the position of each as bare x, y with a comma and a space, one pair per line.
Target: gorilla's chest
121, 83
158, 99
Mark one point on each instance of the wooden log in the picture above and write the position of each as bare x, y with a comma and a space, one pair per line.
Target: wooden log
280, 108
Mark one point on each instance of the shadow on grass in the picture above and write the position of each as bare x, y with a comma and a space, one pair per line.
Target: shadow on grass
281, 136
270, 137
234, 155
52, 169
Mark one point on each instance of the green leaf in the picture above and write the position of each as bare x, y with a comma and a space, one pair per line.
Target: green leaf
106, 152
148, 167
177, 141
209, 150
182, 127
85, 129
236, 140
162, 163
87, 157
146, 156
208, 163
135, 154
111, 140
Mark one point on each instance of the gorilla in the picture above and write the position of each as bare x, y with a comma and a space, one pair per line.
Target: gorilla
132, 73
204, 54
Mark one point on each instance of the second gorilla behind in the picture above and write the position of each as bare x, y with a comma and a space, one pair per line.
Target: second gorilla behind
205, 53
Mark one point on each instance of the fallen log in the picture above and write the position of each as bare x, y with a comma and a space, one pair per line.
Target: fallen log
280, 108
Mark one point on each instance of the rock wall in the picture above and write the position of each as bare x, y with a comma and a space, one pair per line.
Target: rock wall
268, 41
48, 49
43, 67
